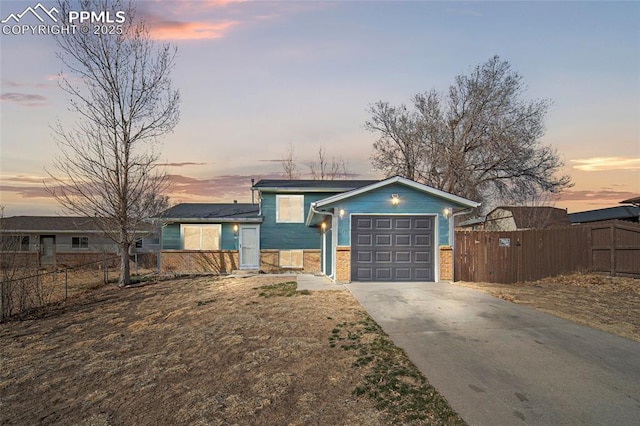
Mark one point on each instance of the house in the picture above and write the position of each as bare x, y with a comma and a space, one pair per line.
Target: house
350, 230
206, 237
44, 241
508, 218
627, 213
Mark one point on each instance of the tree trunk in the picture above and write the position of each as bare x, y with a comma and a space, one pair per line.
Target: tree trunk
125, 270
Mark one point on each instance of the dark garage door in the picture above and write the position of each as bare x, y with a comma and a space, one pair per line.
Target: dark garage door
392, 248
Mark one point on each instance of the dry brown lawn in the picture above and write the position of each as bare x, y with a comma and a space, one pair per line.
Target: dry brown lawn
611, 304
207, 351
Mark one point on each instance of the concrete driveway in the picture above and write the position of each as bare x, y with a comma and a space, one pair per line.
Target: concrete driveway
499, 363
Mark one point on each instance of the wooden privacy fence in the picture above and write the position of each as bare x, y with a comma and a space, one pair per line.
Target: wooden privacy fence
514, 256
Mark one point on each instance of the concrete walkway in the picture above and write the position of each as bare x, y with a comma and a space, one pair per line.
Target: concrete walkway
316, 283
499, 363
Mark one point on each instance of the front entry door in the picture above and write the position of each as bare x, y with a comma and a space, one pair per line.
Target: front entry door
47, 250
249, 246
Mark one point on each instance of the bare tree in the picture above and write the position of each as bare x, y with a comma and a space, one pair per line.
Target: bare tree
480, 140
288, 161
120, 87
324, 168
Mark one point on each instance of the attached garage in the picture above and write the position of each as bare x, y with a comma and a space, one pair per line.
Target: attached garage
392, 230
392, 248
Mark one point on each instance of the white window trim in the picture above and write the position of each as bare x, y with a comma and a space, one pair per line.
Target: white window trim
79, 247
279, 197
200, 226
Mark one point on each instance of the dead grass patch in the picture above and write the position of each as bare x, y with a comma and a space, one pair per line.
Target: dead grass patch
611, 304
205, 351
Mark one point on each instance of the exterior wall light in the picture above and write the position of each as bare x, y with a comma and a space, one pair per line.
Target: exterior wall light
447, 212
323, 226
235, 229
341, 213
395, 200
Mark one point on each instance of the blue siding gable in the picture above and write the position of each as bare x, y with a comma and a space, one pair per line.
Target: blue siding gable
378, 201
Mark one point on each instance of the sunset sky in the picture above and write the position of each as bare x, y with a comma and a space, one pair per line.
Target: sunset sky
256, 77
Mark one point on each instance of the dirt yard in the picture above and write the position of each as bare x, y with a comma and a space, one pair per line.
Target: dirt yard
611, 304
209, 351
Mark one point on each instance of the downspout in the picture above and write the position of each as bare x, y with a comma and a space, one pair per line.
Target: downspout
452, 234
333, 240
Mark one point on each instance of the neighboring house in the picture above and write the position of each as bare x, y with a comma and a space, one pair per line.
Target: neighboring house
62, 240
525, 217
473, 224
350, 230
635, 201
627, 213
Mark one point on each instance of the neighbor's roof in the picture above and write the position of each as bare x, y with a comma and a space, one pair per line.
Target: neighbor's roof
37, 224
619, 212
634, 200
213, 211
527, 217
283, 185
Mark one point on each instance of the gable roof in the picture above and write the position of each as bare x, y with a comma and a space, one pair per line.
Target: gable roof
199, 212
55, 224
610, 213
403, 181
461, 202
302, 185
528, 217
634, 200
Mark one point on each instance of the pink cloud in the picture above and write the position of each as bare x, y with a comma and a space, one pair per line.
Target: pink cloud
24, 99
602, 196
176, 30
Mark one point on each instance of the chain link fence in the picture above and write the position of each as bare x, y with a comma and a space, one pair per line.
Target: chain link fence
25, 289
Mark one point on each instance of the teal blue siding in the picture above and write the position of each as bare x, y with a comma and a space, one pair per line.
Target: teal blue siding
379, 202
288, 236
171, 237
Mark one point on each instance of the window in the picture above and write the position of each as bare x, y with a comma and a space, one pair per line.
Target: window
14, 243
201, 237
139, 243
291, 258
79, 242
290, 208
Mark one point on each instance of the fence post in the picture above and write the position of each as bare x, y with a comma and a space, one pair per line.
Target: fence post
612, 249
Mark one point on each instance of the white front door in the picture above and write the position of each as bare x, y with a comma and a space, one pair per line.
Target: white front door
249, 246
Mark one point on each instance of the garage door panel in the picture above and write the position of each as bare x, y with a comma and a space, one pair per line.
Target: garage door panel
423, 223
403, 240
364, 240
423, 274
422, 256
402, 274
383, 224
364, 223
383, 257
383, 240
364, 256
402, 223
392, 248
403, 257
422, 240
383, 274
365, 273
